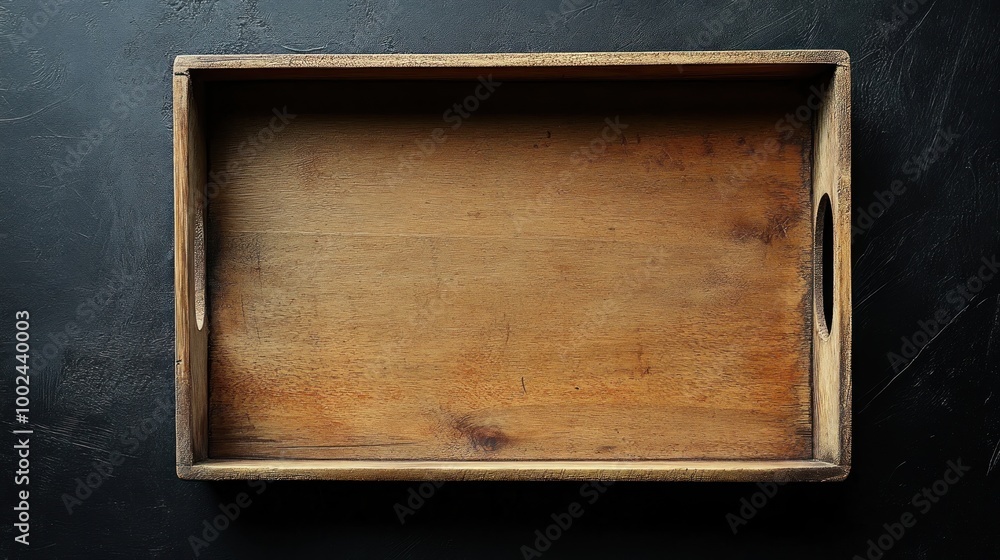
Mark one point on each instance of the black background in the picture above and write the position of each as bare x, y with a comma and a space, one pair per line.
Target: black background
103, 229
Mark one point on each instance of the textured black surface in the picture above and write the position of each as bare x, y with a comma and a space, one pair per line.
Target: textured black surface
91, 244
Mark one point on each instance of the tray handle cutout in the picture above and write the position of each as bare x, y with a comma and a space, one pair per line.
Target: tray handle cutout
824, 265
199, 260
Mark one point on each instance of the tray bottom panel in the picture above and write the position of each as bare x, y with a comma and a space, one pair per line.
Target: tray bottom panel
576, 271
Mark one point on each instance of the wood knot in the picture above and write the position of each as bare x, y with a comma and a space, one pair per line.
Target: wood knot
487, 439
482, 438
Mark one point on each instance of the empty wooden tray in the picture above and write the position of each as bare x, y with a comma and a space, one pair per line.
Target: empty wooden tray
513, 266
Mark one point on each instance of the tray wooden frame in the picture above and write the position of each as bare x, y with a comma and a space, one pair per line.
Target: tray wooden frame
831, 379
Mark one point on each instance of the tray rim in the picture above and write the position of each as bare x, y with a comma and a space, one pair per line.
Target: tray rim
831, 365
675, 470
187, 62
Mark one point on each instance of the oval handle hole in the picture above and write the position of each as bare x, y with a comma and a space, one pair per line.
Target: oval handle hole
824, 265
199, 261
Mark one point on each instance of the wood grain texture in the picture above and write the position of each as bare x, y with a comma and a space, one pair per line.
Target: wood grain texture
546, 66
652, 304
508, 296
722, 471
190, 174
832, 347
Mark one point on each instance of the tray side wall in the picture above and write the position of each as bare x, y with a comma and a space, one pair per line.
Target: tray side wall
832, 351
633, 471
191, 360
569, 65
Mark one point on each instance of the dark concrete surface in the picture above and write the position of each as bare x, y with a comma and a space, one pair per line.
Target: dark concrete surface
85, 248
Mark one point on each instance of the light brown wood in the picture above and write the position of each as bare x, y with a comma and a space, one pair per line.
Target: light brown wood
832, 348
504, 308
731, 471
191, 366
546, 66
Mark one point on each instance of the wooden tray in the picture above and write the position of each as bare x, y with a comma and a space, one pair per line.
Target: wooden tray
513, 266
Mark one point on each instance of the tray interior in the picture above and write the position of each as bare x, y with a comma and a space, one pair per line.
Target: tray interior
609, 270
